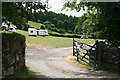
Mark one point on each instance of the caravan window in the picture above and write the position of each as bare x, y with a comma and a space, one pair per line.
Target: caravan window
10, 28
31, 31
3, 28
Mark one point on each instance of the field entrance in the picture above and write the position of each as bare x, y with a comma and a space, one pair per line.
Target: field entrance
85, 52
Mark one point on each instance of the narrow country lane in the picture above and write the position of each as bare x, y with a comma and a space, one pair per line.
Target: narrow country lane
51, 63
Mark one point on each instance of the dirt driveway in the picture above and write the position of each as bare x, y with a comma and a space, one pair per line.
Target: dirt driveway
51, 63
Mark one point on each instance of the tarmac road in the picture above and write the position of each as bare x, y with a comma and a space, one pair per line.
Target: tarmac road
50, 63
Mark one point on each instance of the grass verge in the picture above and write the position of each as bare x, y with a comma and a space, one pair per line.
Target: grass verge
104, 69
25, 73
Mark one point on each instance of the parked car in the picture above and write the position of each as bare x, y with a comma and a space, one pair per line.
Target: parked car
84, 37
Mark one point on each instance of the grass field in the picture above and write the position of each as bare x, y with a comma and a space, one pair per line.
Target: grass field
46, 41
51, 41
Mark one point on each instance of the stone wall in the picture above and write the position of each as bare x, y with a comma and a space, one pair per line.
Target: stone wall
13, 53
108, 57
111, 58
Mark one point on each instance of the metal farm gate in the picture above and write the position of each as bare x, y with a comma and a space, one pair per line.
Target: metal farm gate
85, 52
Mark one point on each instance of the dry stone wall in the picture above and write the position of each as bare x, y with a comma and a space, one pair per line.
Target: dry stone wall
108, 57
13, 53
111, 58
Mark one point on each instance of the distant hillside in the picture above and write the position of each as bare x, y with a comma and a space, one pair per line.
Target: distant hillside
54, 33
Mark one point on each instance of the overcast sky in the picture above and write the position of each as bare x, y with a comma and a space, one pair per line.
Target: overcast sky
56, 6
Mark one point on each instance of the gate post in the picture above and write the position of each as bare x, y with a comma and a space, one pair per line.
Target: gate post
100, 53
96, 53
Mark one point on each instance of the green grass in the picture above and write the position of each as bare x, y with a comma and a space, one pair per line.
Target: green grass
47, 40
89, 41
34, 24
25, 73
97, 68
51, 41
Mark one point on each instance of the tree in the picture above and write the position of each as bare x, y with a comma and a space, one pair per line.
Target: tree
47, 24
104, 15
60, 24
19, 12
42, 27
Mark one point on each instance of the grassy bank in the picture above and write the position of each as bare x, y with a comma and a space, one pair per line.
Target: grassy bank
34, 24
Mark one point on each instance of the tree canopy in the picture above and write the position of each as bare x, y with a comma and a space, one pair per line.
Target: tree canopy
19, 12
103, 16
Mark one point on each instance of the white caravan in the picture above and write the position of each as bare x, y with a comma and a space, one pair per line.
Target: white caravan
42, 32
32, 31
12, 28
6, 27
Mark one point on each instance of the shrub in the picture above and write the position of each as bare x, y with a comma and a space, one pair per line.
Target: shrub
42, 27
61, 31
26, 26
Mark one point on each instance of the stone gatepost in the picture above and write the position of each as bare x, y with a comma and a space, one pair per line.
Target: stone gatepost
101, 46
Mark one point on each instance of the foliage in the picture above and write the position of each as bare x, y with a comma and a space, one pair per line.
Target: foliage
104, 16
61, 31
26, 26
42, 27
55, 20
20, 12
60, 24
47, 24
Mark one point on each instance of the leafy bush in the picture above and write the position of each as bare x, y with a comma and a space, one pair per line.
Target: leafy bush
26, 26
42, 27
61, 31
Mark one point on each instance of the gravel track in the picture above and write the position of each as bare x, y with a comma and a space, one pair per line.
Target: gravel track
51, 63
